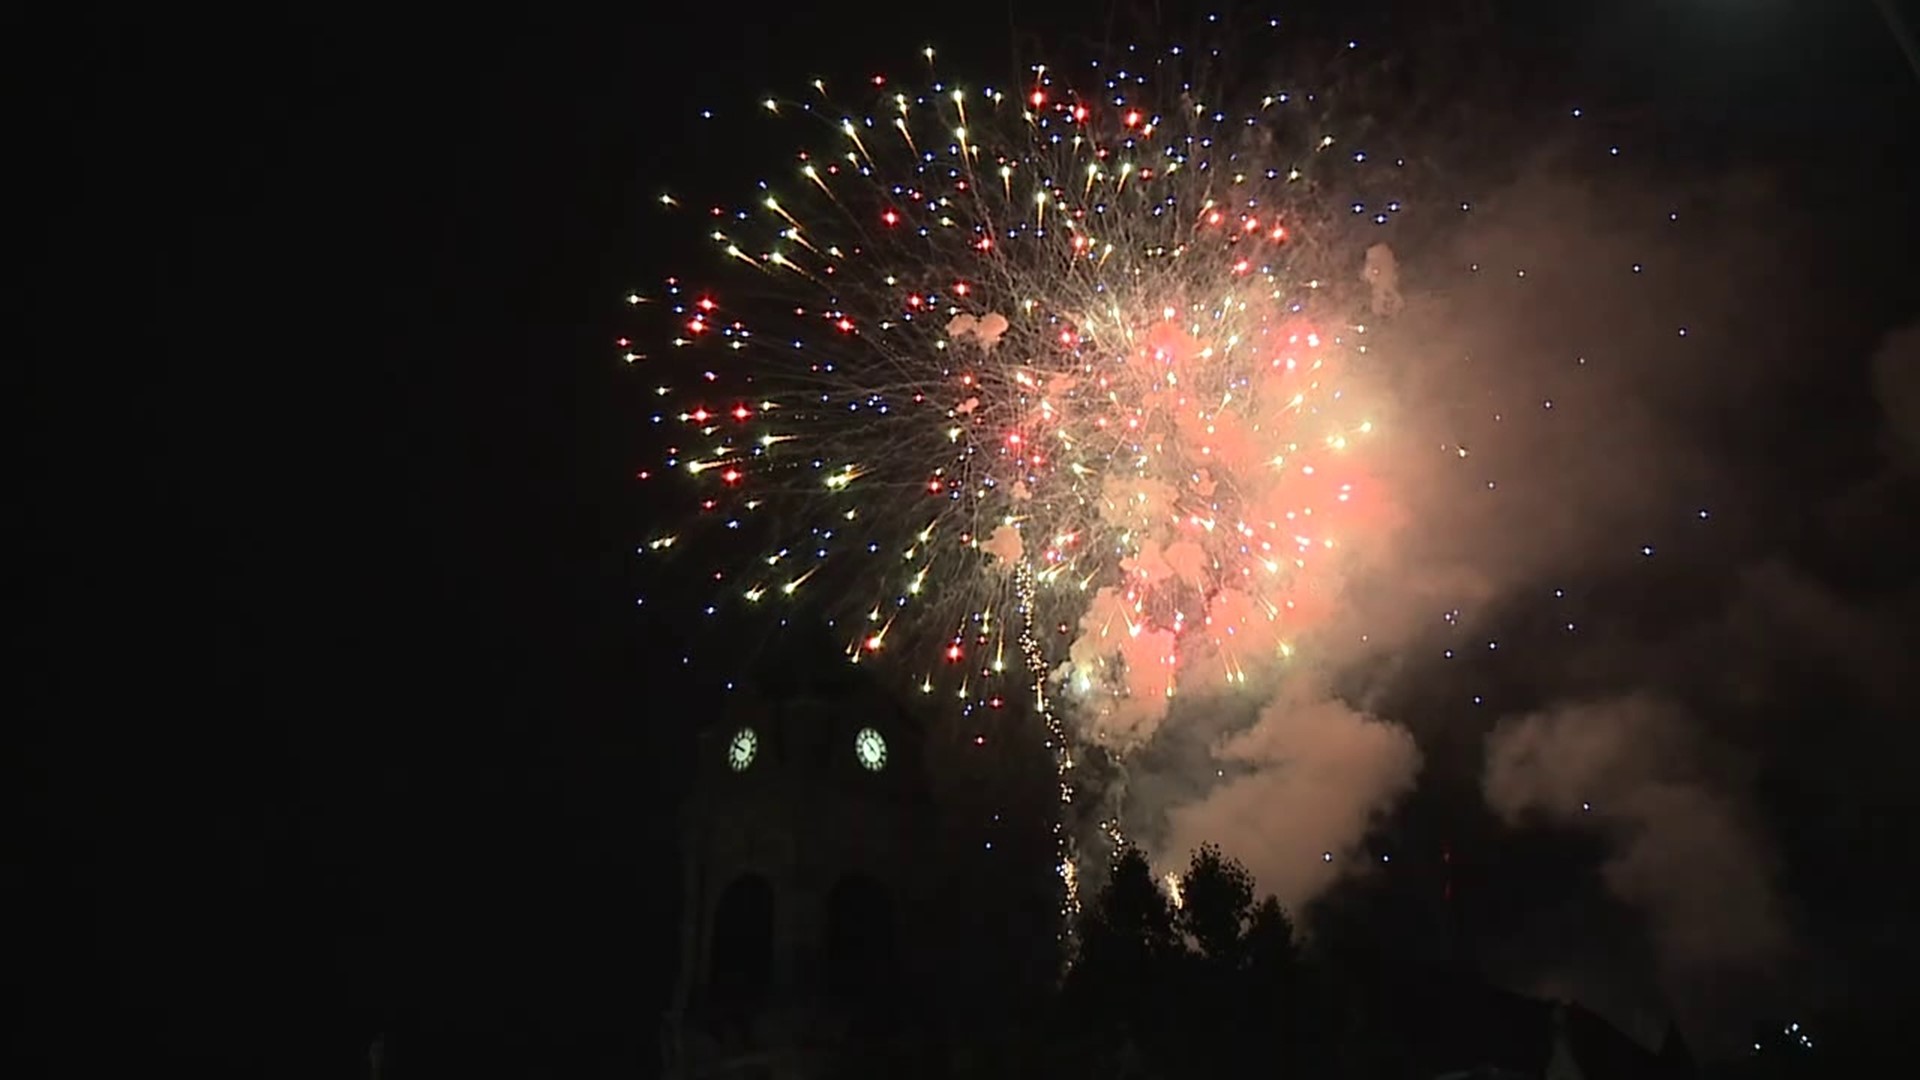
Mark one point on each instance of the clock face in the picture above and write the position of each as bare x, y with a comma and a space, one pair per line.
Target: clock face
870, 748
740, 749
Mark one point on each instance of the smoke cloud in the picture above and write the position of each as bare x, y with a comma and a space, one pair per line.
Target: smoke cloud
1620, 541
1307, 780
1637, 771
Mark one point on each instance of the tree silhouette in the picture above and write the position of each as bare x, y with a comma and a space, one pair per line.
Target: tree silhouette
1117, 995
1133, 911
1217, 907
1202, 985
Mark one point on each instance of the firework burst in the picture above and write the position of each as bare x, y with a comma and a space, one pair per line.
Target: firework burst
1052, 382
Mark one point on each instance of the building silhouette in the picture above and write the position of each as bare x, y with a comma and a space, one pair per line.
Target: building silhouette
851, 907
806, 898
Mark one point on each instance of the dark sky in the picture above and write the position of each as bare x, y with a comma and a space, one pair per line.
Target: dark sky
349, 720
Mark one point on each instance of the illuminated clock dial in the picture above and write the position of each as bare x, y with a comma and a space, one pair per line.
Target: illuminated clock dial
870, 748
741, 749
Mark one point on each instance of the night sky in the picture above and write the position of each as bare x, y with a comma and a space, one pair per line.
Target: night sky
345, 718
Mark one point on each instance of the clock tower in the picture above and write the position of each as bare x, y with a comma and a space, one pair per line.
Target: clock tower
806, 884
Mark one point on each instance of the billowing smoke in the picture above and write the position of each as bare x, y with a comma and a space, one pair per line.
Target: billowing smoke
1302, 786
1638, 772
1612, 563
1520, 446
